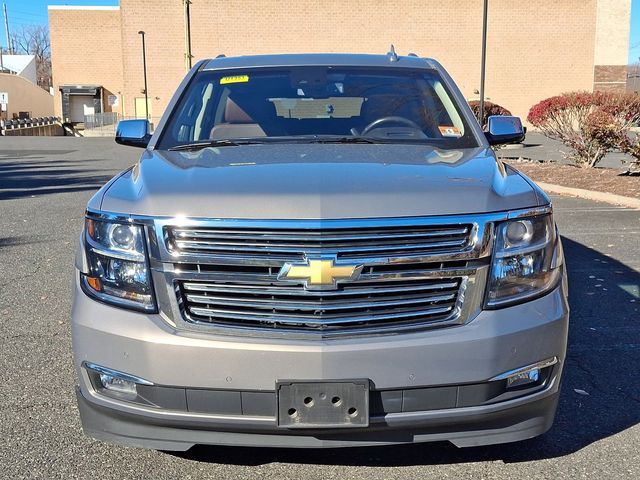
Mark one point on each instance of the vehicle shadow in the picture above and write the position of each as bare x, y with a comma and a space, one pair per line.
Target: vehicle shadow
600, 392
24, 178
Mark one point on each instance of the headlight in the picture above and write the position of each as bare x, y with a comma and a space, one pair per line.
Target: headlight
527, 260
118, 267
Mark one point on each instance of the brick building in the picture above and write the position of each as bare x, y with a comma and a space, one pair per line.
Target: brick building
535, 49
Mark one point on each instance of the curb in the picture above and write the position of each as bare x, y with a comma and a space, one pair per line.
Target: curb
591, 195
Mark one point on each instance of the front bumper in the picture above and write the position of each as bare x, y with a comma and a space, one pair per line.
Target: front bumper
146, 346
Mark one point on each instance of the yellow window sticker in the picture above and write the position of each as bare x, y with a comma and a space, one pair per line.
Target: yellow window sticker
447, 131
234, 79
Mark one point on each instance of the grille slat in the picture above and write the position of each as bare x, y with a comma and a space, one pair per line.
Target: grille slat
292, 320
309, 236
297, 291
293, 244
316, 306
283, 248
293, 307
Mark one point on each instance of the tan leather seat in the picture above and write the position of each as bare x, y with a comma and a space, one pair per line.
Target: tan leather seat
236, 124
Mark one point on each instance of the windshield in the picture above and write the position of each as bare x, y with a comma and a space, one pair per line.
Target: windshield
316, 104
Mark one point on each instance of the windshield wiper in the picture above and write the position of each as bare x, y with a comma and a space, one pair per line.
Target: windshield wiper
346, 139
281, 139
214, 143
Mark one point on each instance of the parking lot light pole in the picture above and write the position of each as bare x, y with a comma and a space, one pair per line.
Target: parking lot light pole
483, 61
144, 68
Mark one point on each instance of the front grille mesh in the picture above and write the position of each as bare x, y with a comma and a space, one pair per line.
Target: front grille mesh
293, 244
356, 305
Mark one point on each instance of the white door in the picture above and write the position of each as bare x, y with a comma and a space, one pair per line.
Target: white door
79, 106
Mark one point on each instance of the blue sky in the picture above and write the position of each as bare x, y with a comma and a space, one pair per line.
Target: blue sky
27, 12
634, 40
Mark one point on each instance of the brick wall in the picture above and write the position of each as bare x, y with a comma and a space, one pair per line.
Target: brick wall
536, 49
611, 45
86, 49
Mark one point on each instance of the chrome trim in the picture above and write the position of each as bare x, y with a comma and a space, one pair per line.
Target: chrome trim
120, 255
481, 237
115, 373
292, 305
471, 289
538, 365
288, 321
222, 288
250, 253
320, 321
308, 250
246, 235
529, 212
318, 223
175, 272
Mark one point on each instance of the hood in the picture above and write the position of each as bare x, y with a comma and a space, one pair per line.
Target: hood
317, 181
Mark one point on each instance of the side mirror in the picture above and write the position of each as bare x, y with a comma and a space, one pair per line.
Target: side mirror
134, 133
504, 129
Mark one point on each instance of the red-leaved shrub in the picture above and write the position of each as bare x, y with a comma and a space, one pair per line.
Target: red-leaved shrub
591, 123
489, 110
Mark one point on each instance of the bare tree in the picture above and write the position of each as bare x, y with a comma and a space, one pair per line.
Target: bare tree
34, 40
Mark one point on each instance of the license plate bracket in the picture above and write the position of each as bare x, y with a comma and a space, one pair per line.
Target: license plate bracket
322, 404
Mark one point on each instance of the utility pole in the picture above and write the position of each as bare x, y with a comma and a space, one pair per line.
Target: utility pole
144, 67
632, 78
6, 28
187, 35
483, 61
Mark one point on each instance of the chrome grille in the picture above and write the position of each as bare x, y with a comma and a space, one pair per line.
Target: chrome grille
293, 244
359, 304
414, 273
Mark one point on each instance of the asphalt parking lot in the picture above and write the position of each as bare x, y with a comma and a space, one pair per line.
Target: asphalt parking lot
44, 186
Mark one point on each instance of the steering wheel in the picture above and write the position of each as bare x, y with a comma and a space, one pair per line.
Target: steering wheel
391, 119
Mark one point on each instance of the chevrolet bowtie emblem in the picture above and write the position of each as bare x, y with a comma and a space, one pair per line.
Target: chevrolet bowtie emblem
319, 274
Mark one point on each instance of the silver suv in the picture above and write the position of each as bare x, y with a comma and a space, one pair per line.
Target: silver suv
318, 251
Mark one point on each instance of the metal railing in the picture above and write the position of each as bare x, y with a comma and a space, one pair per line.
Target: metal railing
98, 120
106, 124
39, 126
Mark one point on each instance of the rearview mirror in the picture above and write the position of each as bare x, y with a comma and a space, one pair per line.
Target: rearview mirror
134, 133
504, 129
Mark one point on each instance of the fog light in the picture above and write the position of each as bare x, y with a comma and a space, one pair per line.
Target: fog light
523, 378
108, 381
525, 375
118, 384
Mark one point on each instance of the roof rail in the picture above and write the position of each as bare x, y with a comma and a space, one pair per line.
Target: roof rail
393, 57
222, 55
